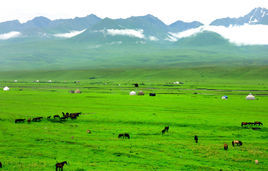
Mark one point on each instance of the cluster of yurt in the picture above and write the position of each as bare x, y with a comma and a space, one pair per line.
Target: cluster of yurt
6, 88
250, 97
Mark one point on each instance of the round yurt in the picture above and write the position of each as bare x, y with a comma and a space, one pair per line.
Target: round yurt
224, 97
15, 81
77, 91
6, 88
132, 93
141, 93
250, 97
37, 81
50, 81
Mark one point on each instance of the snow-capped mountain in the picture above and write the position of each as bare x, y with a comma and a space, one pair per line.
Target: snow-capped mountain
256, 16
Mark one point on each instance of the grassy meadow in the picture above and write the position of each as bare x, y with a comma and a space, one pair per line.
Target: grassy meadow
192, 108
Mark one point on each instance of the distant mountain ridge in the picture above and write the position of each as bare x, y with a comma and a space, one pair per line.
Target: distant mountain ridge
256, 16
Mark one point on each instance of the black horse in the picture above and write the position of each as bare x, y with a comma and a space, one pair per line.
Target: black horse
19, 120
56, 116
60, 166
258, 123
0, 165
38, 119
165, 130
125, 135
237, 142
152, 94
196, 138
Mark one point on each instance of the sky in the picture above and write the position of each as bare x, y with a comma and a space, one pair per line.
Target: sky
168, 11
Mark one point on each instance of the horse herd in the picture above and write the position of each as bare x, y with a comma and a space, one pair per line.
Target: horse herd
64, 117
251, 123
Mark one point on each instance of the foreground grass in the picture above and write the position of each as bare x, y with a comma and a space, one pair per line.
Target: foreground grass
108, 110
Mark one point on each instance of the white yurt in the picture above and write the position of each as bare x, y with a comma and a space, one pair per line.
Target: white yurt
37, 81
50, 81
132, 93
250, 97
15, 81
6, 88
224, 97
176, 82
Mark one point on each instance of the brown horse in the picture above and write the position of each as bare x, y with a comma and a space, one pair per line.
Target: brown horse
258, 123
237, 142
225, 146
244, 124
60, 166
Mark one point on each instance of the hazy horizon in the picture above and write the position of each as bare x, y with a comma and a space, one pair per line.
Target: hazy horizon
169, 11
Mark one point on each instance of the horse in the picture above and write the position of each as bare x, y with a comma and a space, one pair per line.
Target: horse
237, 142
196, 138
19, 120
88, 131
125, 135
136, 85
258, 123
152, 94
60, 165
0, 165
243, 123
29, 120
166, 128
164, 131
225, 146
38, 119
48, 117
56, 116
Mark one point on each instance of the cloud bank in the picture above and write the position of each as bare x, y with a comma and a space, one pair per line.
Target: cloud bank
70, 34
126, 32
240, 35
9, 35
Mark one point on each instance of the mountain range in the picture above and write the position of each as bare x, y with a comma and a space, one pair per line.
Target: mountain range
141, 41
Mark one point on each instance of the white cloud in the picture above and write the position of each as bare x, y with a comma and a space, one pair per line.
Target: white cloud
70, 34
9, 35
240, 35
152, 38
126, 32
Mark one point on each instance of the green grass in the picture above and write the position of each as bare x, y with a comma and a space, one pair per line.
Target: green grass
108, 110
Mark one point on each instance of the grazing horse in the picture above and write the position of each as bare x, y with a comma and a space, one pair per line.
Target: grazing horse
48, 117
19, 120
152, 94
196, 138
60, 166
167, 128
125, 135
225, 146
56, 116
29, 120
0, 165
88, 131
136, 85
237, 142
258, 123
38, 119
244, 123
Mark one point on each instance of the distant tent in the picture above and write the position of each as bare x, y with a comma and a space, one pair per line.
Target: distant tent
250, 97
50, 81
77, 91
224, 97
6, 88
15, 81
177, 82
132, 93
141, 93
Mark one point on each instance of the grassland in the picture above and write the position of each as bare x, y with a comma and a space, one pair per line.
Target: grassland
194, 108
